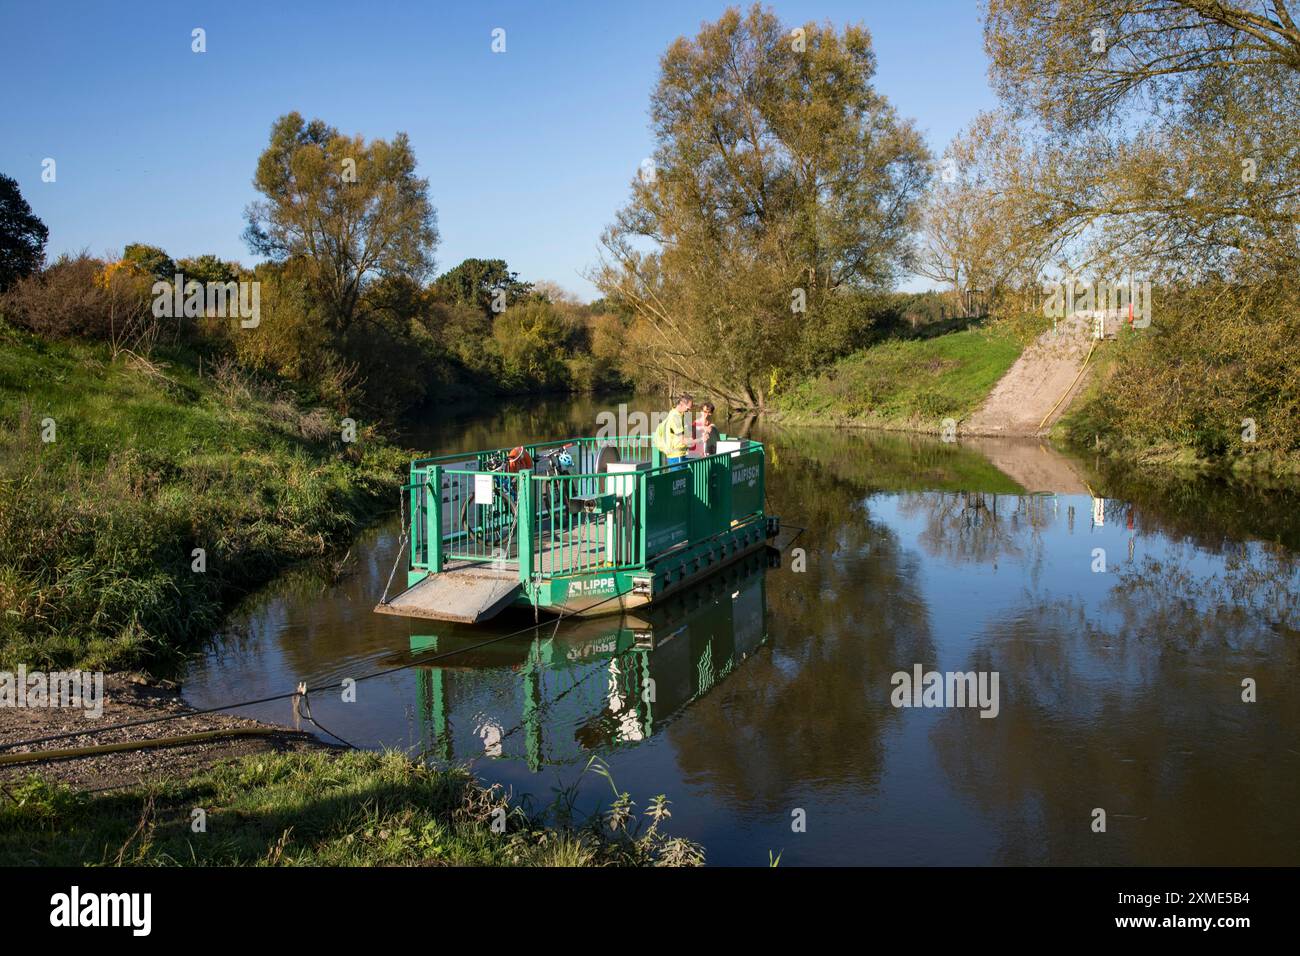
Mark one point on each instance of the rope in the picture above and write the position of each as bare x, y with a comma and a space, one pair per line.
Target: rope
301, 691
304, 702
1072, 384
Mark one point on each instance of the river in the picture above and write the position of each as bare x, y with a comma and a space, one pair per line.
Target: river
1145, 640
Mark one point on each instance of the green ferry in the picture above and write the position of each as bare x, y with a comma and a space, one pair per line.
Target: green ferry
584, 526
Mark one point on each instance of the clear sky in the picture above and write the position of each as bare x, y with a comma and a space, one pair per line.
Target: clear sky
528, 153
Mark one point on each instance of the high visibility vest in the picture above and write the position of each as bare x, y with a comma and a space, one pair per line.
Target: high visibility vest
670, 436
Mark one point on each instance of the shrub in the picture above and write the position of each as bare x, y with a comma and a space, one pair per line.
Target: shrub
63, 301
1213, 358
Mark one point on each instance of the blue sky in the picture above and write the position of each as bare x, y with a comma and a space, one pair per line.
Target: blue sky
528, 153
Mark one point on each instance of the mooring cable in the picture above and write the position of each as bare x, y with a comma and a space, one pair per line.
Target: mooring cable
307, 715
297, 693
406, 532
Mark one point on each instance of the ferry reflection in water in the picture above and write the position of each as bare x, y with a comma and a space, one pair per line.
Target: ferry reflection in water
589, 685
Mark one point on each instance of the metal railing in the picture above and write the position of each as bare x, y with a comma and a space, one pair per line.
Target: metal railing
548, 525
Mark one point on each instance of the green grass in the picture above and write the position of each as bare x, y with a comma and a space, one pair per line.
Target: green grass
148, 463
322, 809
909, 384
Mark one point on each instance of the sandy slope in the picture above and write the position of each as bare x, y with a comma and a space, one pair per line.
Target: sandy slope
1023, 397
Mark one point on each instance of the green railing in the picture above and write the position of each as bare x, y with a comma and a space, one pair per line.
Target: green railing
606, 516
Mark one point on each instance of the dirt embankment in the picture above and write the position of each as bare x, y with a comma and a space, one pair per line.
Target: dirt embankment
129, 698
1028, 399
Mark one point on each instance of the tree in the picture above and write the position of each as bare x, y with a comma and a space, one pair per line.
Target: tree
354, 210
780, 177
22, 235
149, 260
207, 268
1172, 124
978, 225
482, 283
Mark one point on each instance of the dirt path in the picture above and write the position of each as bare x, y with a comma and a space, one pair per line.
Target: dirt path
127, 699
1024, 396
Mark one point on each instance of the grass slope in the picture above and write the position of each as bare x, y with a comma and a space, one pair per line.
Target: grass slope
323, 809
149, 462
910, 384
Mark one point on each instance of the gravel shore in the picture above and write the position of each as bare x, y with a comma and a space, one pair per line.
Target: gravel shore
129, 697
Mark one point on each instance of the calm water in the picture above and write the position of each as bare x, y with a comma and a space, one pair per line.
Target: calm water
1118, 689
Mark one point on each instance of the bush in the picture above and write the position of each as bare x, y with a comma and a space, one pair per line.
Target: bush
63, 301
81, 296
1214, 358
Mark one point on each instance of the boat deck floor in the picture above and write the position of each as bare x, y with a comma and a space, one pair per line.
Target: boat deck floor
469, 592
573, 551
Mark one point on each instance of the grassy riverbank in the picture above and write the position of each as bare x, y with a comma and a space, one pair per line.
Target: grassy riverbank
322, 809
905, 384
115, 470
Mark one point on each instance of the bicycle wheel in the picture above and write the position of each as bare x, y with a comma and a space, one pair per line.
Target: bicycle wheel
490, 523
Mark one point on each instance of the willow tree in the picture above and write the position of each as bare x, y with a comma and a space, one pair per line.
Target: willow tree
980, 221
780, 179
1173, 125
350, 210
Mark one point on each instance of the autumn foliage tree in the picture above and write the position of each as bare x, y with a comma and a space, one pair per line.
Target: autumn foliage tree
352, 210
780, 181
1173, 125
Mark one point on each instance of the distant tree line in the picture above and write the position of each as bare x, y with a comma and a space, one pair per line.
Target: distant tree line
350, 312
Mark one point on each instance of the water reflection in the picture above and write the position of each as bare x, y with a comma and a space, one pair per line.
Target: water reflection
590, 686
1136, 705
1123, 615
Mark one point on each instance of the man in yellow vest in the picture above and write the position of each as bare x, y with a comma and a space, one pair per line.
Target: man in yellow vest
673, 437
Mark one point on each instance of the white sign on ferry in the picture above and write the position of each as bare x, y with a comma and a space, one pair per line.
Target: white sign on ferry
591, 586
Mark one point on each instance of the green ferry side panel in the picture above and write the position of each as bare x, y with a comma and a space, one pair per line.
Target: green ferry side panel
686, 521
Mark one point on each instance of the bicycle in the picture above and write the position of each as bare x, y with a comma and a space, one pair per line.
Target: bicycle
502, 514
